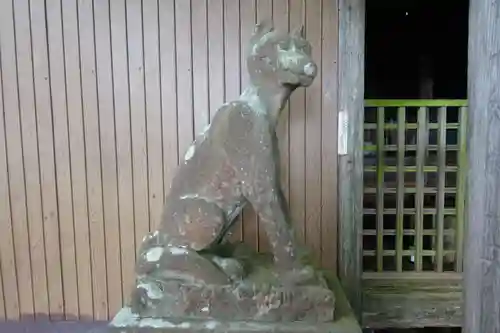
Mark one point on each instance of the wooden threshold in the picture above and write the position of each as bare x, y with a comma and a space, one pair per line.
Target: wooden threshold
411, 300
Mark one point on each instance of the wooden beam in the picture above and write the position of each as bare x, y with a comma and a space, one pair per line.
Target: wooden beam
412, 300
350, 146
482, 243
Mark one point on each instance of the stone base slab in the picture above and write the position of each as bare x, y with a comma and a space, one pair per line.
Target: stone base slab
247, 302
126, 322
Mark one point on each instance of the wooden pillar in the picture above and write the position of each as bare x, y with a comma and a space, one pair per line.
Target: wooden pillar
482, 243
350, 147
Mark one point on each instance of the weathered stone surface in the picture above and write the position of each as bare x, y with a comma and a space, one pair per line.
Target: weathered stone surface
264, 294
128, 322
185, 269
177, 325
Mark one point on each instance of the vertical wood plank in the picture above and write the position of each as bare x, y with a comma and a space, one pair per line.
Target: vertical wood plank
216, 55
420, 178
400, 187
185, 118
78, 158
62, 158
153, 111
313, 135
248, 20
264, 12
329, 57
232, 71
461, 189
43, 105
31, 158
138, 117
10, 297
168, 83
351, 101
108, 155
297, 142
4, 204
380, 187
482, 271
199, 25
3, 314
441, 184
93, 153
122, 110
9, 293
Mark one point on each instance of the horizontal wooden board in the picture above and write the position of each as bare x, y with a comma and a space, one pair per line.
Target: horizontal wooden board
404, 300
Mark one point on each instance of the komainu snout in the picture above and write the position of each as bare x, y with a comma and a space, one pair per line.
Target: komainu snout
285, 55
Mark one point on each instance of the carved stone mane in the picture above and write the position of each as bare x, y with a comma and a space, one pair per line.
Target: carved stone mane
182, 269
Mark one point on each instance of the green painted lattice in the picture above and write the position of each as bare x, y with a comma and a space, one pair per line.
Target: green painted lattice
414, 185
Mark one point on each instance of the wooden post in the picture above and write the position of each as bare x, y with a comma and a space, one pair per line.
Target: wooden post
350, 149
482, 244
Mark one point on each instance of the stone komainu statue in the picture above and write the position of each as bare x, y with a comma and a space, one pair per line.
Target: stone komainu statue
231, 164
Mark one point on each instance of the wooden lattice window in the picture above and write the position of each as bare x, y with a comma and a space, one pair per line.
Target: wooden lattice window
414, 185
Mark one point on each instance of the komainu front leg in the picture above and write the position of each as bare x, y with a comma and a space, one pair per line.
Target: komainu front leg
282, 239
267, 201
251, 151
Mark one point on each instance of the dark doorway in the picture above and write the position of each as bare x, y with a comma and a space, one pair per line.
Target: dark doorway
416, 49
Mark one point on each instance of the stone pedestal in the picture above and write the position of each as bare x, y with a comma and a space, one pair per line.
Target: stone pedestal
261, 302
175, 325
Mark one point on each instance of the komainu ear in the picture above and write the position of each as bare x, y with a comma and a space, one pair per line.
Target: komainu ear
298, 31
261, 29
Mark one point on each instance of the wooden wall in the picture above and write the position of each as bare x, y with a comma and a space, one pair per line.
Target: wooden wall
99, 99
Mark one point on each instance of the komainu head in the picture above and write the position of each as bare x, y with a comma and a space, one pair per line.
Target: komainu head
280, 58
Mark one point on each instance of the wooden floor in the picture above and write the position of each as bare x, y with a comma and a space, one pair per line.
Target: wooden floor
55, 327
